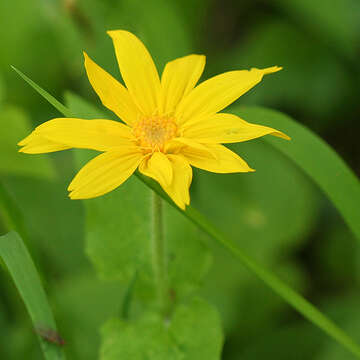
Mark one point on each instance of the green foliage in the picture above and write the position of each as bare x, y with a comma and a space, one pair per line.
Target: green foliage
21, 267
276, 215
193, 333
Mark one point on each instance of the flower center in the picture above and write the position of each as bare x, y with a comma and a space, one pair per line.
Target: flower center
152, 133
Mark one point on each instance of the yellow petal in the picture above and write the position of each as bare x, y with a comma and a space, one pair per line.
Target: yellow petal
178, 190
104, 173
218, 92
190, 144
226, 161
97, 134
158, 167
226, 128
35, 144
179, 78
138, 71
112, 94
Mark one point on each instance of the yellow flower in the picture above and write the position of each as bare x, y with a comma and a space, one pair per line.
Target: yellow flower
168, 123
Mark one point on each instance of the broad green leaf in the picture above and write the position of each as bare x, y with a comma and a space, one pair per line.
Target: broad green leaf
316, 158
118, 231
192, 333
15, 126
293, 298
22, 269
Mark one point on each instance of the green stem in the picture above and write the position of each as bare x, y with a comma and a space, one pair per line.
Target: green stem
158, 253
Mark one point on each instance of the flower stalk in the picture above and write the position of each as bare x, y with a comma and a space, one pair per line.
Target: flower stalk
158, 250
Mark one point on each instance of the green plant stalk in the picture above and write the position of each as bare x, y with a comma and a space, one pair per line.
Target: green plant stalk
158, 251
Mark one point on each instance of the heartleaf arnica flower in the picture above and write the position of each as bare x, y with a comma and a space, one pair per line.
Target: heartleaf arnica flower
168, 124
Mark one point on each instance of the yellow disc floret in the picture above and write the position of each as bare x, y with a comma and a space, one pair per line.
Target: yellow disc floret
152, 133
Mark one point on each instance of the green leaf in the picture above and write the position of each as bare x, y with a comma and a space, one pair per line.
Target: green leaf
22, 269
117, 231
193, 333
316, 158
297, 301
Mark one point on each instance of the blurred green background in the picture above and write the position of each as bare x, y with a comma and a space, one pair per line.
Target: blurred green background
278, 216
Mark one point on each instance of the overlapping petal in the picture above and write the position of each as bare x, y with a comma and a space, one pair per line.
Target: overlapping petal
112, 94
98, 134
218, 92
179, 78
138, 71
177, 144
226, 161
104, 173
178, 190
158, 167
226, 128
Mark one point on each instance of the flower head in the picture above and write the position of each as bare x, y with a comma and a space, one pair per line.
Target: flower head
168, 124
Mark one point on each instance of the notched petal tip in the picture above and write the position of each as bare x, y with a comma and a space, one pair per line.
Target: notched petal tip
269, 70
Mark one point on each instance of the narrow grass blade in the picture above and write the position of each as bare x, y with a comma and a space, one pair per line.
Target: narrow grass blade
22, 269
58, 105
290, 296
10, 214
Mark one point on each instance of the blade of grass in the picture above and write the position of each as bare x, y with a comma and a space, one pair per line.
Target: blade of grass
290, 296
22, 270
57, 105
11, 214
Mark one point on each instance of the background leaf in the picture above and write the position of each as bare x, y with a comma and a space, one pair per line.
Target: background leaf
317, 159
193, 333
